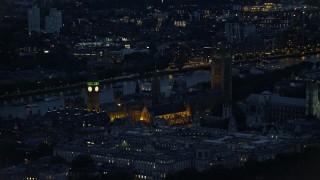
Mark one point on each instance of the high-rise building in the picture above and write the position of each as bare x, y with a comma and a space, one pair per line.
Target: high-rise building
221, 75
93, 98
33, 19
53, 21
234, 31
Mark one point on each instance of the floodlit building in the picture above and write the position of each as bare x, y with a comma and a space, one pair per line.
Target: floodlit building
176, 113
93, 101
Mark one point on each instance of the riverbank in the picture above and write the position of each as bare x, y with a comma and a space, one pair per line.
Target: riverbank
103, 82
297, 55
142, 76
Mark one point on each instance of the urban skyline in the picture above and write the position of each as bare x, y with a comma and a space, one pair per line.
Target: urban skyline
119, 89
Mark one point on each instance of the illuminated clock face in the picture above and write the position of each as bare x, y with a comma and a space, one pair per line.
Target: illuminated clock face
96, 89
90, 89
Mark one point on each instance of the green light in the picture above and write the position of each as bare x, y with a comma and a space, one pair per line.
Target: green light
93, 83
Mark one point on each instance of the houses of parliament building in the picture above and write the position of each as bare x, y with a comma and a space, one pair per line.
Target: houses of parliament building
176, 109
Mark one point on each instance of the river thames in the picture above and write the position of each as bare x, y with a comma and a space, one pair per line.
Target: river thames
16, 107
19, 110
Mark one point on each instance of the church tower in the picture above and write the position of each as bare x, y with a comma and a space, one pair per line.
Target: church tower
312, 98
221, 76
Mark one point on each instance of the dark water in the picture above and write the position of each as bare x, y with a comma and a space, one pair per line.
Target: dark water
7, 109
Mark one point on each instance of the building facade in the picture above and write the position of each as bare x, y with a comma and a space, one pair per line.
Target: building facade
221, 76
269, 108
34, 19
53, 21
312, 98
156, 88
234, 31
93, 97
176, 113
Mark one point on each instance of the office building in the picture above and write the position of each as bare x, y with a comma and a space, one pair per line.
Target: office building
234, 31
53, 21
34, 19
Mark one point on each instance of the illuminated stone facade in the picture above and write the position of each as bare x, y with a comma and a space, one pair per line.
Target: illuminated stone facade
125, 109
176, 113
93, 98
267, 6
134, 114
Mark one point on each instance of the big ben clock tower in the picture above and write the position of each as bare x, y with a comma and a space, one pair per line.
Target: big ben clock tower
93, 98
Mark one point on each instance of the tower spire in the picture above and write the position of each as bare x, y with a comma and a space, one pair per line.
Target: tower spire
155, 86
